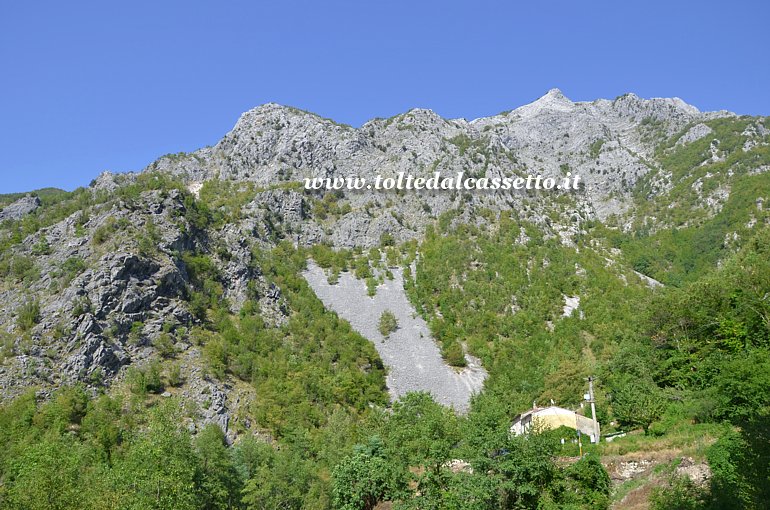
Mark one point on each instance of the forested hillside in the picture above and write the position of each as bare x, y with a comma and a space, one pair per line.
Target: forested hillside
160, 347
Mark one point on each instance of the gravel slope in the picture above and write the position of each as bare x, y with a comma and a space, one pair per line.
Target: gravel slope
413, 359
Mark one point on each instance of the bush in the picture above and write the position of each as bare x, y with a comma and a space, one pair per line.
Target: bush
589, 482
29, 315
164, 343
72, 267
682, 494
144, 380
453, 354
175, 377
388, 323
81, 306
23, 269
386, 239
371, 287
148, 242
135, 334
6, 346
206, 291
42, 247
106, 229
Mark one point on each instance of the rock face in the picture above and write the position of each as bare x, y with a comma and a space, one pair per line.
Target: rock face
696, 132
20, 208
110, 284
607, 142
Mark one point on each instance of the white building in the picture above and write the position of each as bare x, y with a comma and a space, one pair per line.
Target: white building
551, 418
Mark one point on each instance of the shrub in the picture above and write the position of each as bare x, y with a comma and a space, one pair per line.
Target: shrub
135, 334
106, 229
388, 323
82, 306
164, 343
97, 377
6, 346
175, 377
386, 239
42, 247
682, 494
148, 242
72, 267
371, 286
453, 354
23, 269
589, 481
144, 380
29, 315
596, 148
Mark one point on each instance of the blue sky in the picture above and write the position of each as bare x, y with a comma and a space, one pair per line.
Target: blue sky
93, 86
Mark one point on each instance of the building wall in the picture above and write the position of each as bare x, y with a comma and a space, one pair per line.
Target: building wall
553, 418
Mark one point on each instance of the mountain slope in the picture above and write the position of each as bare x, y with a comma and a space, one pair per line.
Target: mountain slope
184, 281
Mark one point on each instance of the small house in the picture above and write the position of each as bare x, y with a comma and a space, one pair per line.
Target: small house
553, 417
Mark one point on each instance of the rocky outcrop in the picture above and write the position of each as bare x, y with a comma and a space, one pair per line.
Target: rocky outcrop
20, 208
94, 357
696, 132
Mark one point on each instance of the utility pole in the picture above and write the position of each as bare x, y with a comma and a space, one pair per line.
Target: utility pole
580, 443
593, 408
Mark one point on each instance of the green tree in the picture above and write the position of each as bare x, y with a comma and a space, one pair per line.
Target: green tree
48, 475
421, 432
365, 478
638, 403
220, 484
524, 471
283, 480
159, 469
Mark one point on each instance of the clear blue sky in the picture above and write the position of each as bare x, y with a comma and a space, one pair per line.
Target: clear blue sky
92, 86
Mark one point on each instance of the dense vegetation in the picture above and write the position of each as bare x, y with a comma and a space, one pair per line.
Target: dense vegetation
703, 223
304, 371
700, 352
710, 348
115, 452
505, 299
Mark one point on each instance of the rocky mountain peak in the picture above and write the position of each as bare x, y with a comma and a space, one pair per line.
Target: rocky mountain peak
552, 101
608, 142
555, 93
657, 107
